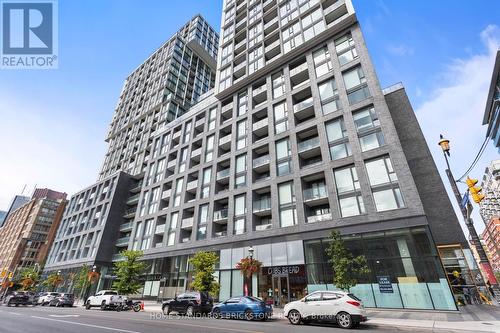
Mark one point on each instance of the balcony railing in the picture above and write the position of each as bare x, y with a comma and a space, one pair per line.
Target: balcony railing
303, 105
126, 226
166, 194
260, 124
196, 152
192, 185
315, 193
122, 241
263, 226
308, 144
224, 140
130, 211
262, 204
133, 198
261, 161
220, 215
223, 173
187, 223
298, 69
160, 229
220, 233
319, 218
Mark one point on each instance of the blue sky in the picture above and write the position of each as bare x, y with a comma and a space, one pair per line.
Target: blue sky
54, 121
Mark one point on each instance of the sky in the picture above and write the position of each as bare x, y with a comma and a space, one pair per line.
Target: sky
53, 122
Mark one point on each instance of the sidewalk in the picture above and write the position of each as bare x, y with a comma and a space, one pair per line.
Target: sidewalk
470, 318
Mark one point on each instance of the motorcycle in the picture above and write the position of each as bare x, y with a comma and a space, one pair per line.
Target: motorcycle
130, 305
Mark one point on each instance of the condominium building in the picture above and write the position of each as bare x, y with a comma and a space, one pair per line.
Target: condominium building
490, 206
491, 237
296, 139
492, 110
28, 232
158, 91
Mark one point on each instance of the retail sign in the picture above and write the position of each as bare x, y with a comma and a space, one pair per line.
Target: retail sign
283, 270
384, 284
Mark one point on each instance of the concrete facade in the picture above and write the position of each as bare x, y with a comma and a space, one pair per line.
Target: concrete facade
492, 110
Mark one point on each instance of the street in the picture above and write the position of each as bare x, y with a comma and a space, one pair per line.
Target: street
78, 320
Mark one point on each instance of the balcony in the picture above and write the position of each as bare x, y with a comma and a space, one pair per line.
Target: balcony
192, 186
121, 242
239, 47
303, 106
261, 127
223, 174
220, 216
126, 226
260, 93
225, 142
160, 229
319, 218
240, 70
261, 163
271, 26
308, 145
220, 234
195, 154
187, 223
315, 196
262, 207
176, 135
129, 213
273, 49
227, 108
171, 165
199, 124
261, 227
133, 200
166, 194
301, 69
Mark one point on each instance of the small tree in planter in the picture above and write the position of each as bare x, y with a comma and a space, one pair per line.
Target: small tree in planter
128, 272
53, 281
345, 266
204, 268
248, 266
29, 277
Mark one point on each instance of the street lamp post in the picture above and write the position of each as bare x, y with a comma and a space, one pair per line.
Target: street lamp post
248, 284
466, 213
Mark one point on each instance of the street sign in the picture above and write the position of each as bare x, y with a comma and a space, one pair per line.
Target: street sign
384, 284
465, 200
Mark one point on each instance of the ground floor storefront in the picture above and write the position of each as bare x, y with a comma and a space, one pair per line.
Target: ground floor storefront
405, 271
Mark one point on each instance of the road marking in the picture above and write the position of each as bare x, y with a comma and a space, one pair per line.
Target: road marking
171, 322
15, 313
88, 325
64, 316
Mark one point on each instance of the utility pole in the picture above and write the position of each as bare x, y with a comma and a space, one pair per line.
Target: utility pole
466, 209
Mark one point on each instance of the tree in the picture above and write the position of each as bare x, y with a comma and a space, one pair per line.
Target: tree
345, 266
204, 268
128, 272
53, 281
80, 281
29, 277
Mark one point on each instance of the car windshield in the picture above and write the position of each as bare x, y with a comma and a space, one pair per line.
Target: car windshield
54, 294
110, 293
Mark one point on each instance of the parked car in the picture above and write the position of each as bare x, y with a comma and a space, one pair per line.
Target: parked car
341, 307
62, 300
45, 298
32, 298
244, 307
16, 298
189, 304
105, 299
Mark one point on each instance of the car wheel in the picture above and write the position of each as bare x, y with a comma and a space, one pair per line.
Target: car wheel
103, 305
189, 311
216, 313
8, 304
248, 314
166, 310
294, 317
87, 305
344, 320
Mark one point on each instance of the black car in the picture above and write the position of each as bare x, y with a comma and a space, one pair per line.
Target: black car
17, 298
189, 303
63, 300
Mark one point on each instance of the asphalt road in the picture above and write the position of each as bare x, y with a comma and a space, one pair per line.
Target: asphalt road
78, 320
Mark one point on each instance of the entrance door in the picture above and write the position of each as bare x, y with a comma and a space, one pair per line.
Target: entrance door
281, 290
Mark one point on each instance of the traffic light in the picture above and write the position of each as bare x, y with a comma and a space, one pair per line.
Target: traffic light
475, 191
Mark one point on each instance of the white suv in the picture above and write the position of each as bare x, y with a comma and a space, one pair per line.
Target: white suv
345, 309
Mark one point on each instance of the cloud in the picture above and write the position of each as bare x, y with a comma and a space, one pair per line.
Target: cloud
401, 50
455, 108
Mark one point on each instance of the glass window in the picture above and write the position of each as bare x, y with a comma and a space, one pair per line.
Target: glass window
345, 48
335, 130
241, 129
209, 148
283, 149
288, 213
355, 83
241, 164
366, 119
239, 205
329, 96
280, 118
322, 61
380, 171
388, 199
239, 226
351, 206
346, 180
350, 199
371, 141
278, 85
